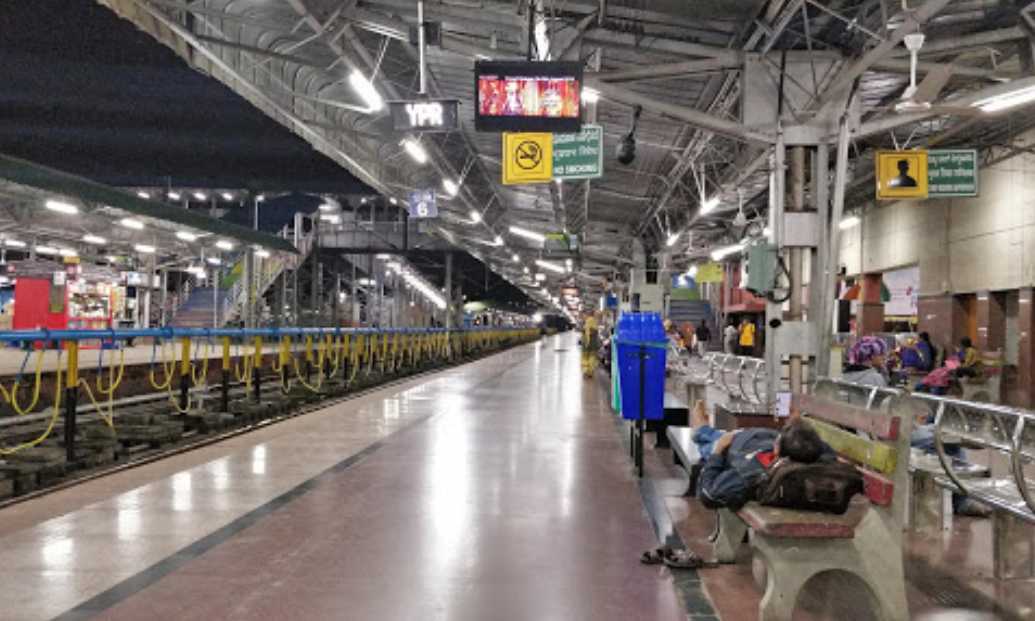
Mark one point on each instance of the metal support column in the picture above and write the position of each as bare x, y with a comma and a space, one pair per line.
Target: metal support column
165, 296
314, 292
818, 303
831, 260
797, 261
774, 310
448, 323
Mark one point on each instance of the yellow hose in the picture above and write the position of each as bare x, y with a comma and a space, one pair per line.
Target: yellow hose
320, 353
113, 380
50, 425
12, 397
197, 380
167, 368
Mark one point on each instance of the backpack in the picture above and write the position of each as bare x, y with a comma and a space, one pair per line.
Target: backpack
827, 487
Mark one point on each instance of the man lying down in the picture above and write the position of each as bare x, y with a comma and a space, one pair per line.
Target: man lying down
738, 464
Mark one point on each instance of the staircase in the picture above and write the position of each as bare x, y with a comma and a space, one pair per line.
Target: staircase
197, 311
690, 311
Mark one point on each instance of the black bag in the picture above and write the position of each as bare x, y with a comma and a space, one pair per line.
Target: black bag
825, 486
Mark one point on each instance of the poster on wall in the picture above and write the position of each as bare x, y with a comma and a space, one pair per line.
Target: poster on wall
902, 286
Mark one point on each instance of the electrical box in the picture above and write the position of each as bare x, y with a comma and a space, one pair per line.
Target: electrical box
761, 268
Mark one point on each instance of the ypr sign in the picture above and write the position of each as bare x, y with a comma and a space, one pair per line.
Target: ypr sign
580, 155
952, 172
425, 115
527, 158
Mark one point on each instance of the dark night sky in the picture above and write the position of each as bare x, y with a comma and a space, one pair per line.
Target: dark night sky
84, 91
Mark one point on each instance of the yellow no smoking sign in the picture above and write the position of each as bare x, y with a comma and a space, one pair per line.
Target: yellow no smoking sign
527, 158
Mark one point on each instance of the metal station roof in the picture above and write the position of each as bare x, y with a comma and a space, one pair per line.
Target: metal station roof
28, 186
681, 61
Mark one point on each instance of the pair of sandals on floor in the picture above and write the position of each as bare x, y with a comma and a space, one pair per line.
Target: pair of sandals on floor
675, 559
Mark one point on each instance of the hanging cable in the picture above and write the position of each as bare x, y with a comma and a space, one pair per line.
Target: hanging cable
50, 424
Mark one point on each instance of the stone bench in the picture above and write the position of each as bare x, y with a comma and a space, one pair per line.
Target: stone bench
685, 455
866, 541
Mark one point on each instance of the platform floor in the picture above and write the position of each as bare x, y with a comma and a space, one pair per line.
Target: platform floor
496, 490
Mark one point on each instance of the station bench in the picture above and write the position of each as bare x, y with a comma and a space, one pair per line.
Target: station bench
1010, 434
866, 541
685, 455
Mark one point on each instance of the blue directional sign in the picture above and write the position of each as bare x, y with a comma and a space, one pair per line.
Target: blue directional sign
423, 205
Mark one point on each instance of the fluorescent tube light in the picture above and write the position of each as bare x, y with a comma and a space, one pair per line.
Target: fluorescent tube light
366, 91
546, 265
61, 207
848, 223
94, 239
415, 150
131, 223
532, 235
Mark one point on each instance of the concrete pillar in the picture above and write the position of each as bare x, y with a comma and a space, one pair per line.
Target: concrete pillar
1025, 392
314, 290
870, 319
991, 321
944, 318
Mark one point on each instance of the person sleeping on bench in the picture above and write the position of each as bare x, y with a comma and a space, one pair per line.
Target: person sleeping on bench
735, 462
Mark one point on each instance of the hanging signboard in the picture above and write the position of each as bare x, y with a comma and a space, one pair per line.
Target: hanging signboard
579, 156
422, 204
952, 172
709, 272
425, 115
901, 174
527, 158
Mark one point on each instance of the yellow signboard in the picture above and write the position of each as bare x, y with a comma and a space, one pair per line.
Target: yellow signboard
901, 174
709, 272
527, 158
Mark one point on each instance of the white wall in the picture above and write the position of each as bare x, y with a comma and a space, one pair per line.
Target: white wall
961, 245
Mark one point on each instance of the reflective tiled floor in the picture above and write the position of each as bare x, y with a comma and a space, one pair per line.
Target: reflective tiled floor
496, 490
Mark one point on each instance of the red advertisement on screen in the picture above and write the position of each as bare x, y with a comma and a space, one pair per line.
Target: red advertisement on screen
521, 96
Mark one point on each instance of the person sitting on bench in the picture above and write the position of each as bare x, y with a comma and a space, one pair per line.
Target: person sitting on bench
735, 462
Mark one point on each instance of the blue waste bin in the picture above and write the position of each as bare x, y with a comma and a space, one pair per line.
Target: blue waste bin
641, 342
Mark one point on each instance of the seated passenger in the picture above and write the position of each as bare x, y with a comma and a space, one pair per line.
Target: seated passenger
927, 351
923, 438
866, 362
735, 462
970, 361
937, 382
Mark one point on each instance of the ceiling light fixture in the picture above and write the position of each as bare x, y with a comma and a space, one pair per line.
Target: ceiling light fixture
415, 150
201, 196
532, 235
175, 196
60, 207
46, 250
97, 240
14, 243
516, 257
67, 252
476, 216
672, 239
144, 248
224, 245
1007, 100
143, 194
214, 261
367, 92
725, 251
186, 236
262, 253
227, 196
546, 265
450, 187
709, 205
849, 222
131, 223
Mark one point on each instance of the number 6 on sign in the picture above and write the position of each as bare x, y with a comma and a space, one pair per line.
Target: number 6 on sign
527, 158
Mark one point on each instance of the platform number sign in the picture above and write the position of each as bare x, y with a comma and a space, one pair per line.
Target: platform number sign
423, 204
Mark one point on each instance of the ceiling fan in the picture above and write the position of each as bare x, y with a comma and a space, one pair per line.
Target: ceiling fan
919, 97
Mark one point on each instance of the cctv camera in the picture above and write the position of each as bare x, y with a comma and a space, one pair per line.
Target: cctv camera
626, 151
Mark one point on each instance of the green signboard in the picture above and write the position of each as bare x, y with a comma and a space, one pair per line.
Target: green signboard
952, 172
579, 156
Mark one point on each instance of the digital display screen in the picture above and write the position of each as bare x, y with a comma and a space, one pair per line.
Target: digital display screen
528, 96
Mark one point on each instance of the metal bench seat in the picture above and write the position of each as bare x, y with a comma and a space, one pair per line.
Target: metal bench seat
1000, 494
